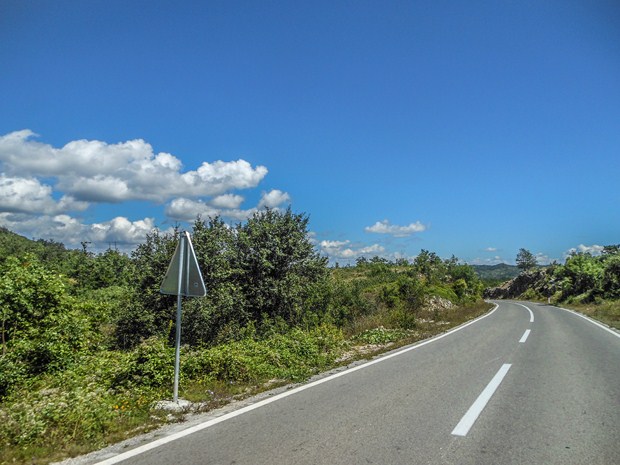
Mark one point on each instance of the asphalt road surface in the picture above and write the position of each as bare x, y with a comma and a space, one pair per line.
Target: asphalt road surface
526, 384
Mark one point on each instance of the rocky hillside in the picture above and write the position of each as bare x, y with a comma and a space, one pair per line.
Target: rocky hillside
534, 282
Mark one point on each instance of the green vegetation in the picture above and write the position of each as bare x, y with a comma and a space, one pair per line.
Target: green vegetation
493, 275
525, 260
86, 338
587, 283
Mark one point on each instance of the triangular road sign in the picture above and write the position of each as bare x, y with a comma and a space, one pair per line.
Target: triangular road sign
183, 276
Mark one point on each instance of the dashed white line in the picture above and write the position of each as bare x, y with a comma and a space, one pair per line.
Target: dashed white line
525, 335
474, 411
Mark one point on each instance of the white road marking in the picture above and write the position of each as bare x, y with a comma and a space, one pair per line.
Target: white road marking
531, 313
186, 432
525, 335
611, 331
474, 411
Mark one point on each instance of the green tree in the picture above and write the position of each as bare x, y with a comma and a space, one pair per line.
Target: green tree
466, 283
111, 268
152, 313
430, 266
276, 265
584, 271
525, 260
610, 282
28, 294
222, 310
41, 328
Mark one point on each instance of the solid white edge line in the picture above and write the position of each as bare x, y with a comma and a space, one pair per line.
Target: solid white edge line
600, 325
525, 335
186, 432
528, 309
474, 411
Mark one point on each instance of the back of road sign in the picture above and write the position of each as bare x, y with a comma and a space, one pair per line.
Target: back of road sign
184, 269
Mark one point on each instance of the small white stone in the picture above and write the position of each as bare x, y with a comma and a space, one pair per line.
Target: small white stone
171, 406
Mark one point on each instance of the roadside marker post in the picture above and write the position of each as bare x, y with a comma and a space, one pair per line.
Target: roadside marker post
183, 278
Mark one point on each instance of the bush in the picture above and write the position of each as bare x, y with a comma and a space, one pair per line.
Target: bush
149, 366
29, 294
290, 356
381, 335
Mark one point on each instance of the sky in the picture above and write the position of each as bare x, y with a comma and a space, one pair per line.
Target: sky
471, 128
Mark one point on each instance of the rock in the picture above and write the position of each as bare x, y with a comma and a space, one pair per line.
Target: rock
170, 406
535, 280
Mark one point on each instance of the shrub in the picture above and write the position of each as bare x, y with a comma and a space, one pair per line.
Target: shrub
150, 365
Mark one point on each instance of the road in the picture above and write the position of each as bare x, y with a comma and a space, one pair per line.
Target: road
526, 384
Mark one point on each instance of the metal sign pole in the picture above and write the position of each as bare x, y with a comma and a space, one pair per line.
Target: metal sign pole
183, 278
177, 359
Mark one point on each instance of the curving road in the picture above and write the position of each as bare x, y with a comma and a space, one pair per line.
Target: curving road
525, 384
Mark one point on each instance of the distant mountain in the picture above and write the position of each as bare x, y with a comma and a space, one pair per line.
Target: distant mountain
496, 273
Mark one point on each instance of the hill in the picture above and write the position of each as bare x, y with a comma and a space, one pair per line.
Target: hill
496, 273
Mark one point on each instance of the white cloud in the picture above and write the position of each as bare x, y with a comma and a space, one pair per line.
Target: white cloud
28, 195
273, 199
97, 189
71, 232
544, 259
333, 244
227, 205
384, 227
42, 185
342, 250
101, 172
491, 249
373, 249
590, 249
121, 230
227, 201
187, 210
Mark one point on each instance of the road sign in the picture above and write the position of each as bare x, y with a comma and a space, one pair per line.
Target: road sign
183, 276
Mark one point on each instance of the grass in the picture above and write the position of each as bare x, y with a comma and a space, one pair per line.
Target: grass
607, 311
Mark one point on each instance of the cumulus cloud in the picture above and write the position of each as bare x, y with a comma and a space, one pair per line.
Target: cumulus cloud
95, 171
28, 195
273, 199
384, 227
187, 210
70, 231
227, 201
544, 259
42, 186
227, 205
344, 249
590, 249
491, 249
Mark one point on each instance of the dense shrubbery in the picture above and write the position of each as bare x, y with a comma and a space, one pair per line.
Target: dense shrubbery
583, 278
588, 276
588, 283
261, 270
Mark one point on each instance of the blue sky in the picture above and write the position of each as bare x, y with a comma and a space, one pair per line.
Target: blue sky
467, 128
